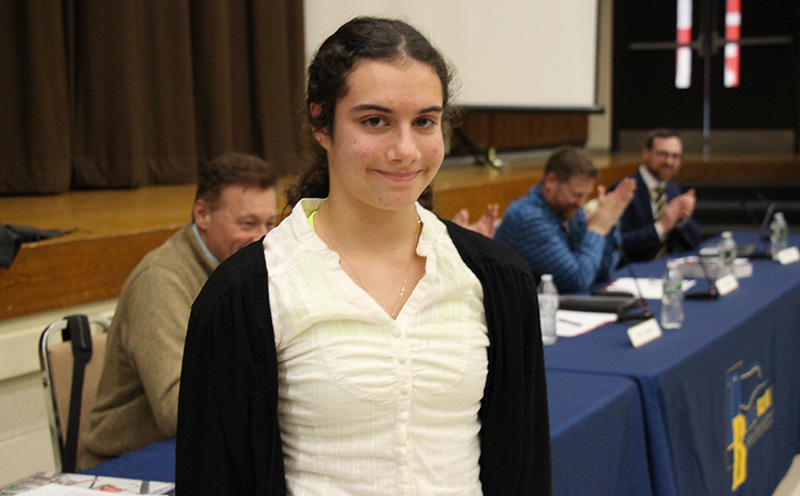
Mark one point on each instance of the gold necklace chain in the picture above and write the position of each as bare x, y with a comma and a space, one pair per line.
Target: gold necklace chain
396, 309
342, 259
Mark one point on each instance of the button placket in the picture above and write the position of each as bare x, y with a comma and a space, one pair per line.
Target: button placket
400, 347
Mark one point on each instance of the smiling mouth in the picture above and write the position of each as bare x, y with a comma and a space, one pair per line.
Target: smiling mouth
400, 176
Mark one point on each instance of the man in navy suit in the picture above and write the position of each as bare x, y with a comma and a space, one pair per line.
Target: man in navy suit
658, 221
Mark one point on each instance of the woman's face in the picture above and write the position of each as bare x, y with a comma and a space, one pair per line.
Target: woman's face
388, 142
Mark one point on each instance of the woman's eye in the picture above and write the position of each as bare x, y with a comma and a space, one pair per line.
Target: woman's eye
425, 122
373, 121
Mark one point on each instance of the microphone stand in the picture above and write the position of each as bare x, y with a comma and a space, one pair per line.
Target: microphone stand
709, 294
626, 312
763, 235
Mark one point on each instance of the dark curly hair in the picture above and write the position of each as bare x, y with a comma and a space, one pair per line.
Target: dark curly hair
360, 38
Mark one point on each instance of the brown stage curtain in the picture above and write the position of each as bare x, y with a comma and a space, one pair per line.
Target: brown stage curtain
122, 94
34, 98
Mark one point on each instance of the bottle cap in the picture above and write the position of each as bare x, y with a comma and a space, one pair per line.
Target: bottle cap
547, 277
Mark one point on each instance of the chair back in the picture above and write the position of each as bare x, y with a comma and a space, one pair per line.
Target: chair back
57, 358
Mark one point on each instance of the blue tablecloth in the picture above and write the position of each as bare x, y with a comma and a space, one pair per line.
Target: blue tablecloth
155, 462
721, 395
597, 429
598, 438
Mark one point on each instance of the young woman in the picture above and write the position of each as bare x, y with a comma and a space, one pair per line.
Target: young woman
366, 347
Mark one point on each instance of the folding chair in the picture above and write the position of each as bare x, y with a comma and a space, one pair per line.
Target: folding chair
71, 359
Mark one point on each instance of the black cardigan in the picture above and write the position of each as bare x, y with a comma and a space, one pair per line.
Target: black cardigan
229, 440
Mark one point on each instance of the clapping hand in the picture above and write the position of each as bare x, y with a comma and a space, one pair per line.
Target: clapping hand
610, 206
486, 225
679, 208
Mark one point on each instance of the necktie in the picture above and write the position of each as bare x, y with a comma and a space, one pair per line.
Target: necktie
660, 200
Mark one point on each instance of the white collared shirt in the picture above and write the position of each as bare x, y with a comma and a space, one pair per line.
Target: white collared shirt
652, 184
203, 245
369, 404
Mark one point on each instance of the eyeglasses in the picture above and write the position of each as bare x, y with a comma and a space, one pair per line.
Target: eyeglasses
665, 154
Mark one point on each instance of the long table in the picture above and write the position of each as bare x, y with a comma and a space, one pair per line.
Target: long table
597, 436
597, 432
154, 462
721, 395
712, 408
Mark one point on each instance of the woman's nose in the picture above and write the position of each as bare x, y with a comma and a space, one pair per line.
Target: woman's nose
404, 149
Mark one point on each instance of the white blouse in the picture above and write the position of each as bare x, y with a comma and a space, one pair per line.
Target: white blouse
369, 405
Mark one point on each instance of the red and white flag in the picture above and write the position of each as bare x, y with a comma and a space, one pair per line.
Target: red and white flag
733, 24
683, 54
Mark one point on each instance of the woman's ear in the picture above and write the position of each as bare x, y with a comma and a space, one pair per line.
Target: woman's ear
321, 134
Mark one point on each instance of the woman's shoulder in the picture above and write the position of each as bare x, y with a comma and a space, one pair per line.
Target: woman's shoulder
244, 268
477, 248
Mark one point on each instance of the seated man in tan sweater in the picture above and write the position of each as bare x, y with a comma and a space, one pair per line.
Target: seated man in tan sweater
137, 399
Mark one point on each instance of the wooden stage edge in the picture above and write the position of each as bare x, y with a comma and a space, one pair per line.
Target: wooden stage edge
116, 228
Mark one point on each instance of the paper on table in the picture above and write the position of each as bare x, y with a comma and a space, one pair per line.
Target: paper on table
650, 286
50, 483
570, 323
58, 490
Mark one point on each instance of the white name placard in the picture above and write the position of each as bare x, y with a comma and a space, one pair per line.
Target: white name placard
643, 333
726, 284
789, 255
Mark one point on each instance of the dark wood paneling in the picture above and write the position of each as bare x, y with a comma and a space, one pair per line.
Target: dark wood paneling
506, 130
56, 274
741, 168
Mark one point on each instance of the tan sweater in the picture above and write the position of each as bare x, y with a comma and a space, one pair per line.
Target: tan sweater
137, 399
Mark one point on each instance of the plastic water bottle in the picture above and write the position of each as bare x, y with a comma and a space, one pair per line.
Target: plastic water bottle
672, 299
779, 232
726, 250
548, 304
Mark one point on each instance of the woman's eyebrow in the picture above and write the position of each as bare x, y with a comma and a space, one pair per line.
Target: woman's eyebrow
369, 106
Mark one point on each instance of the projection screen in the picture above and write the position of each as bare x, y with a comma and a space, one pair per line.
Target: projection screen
517, 54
